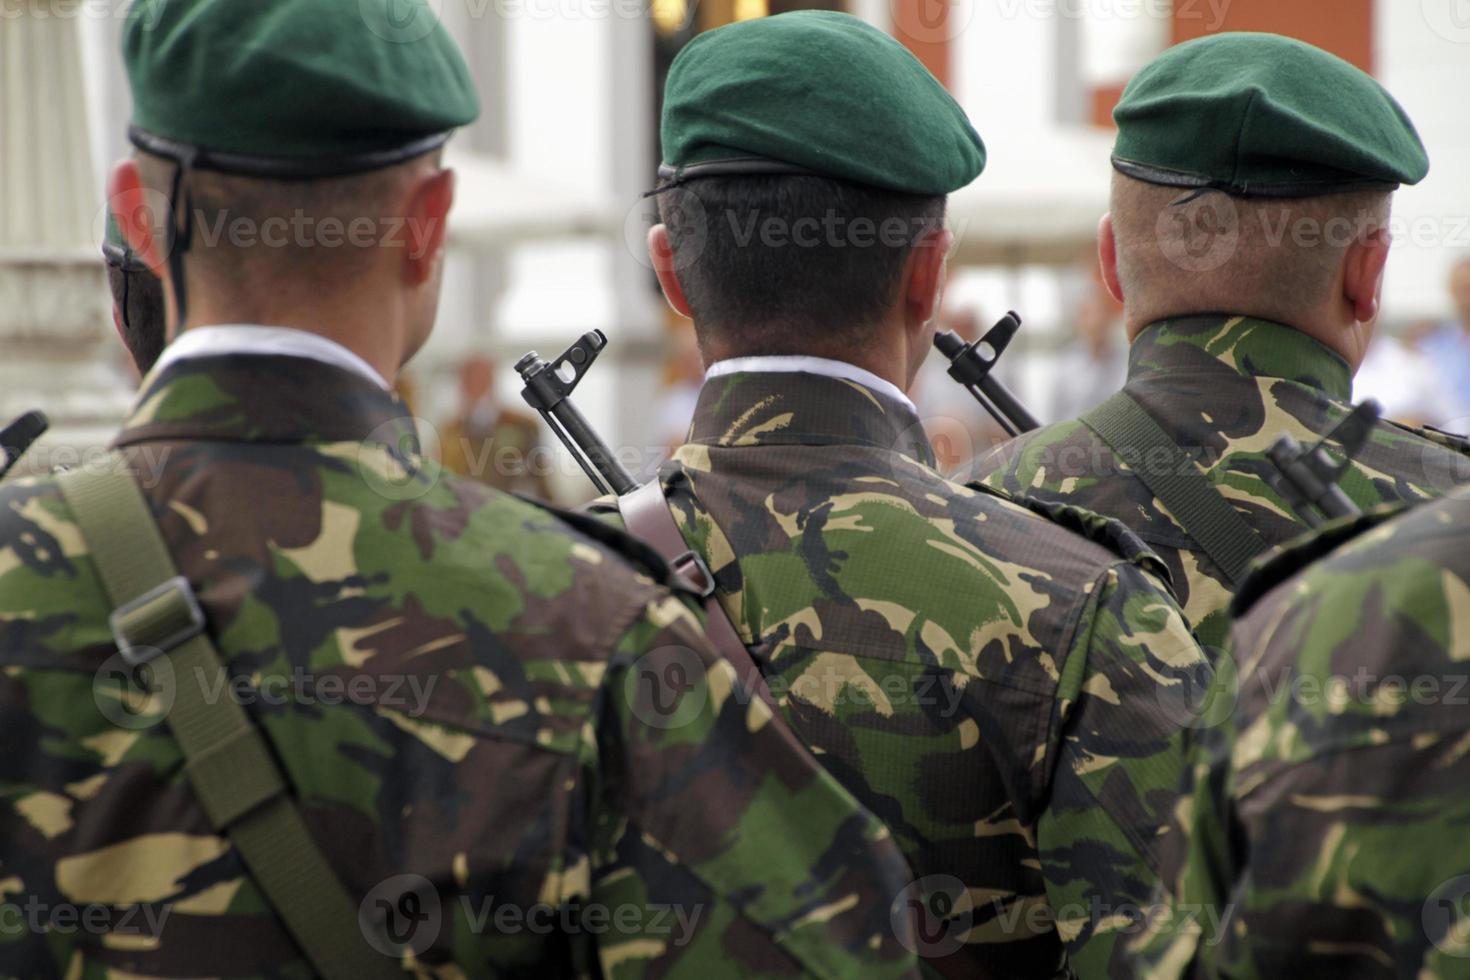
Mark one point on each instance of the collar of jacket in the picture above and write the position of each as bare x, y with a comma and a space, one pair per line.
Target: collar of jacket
798, 409
266, 399
1252, 347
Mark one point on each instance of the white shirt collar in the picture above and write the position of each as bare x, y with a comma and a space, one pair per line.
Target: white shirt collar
809, 365
215, 341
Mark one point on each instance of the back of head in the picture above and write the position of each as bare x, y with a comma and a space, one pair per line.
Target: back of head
792, 264
279, 138
804, 156
1248, 165
1181, 251
259, 245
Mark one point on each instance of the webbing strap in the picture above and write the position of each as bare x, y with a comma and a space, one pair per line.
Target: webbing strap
229, 764
1179, 484
647, 516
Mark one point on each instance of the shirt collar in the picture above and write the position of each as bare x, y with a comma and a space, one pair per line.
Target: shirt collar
266, 399
238, 338
799, 408
826, 367
1247, 345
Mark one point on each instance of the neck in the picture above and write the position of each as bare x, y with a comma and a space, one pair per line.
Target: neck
1348, 340
885, 353
383, 346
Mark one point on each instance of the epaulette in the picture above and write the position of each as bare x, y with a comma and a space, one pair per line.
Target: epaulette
1449, 440
1283, 562
1109, 532
643, 558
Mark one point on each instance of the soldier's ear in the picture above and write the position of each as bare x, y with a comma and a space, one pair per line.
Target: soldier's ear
133, 207
1107, 255
924, 275
1362, 274
426, 224
661, 254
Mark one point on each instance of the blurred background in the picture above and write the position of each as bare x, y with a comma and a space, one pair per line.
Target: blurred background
548, 232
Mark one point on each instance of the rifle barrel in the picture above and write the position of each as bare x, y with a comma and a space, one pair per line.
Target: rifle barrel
550, 395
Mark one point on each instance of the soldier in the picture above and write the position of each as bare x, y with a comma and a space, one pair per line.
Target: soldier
1326, 835
1247, 241
281, 702
137, 300
1004, 693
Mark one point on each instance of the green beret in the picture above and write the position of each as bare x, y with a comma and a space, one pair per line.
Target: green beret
1261, 115
293, 88
814, 92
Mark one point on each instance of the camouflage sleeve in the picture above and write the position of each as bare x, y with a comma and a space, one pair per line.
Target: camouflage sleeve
1325, 823
1338, 883
1192, 897
1123, 705
705, 804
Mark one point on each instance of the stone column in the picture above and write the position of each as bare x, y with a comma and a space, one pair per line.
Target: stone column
57, 344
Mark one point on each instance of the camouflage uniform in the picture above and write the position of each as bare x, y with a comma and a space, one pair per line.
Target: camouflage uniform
1003, 693
462, 690
1224, 388
1327, 836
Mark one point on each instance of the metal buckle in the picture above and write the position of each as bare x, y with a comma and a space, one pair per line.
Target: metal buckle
138, 648
689, 565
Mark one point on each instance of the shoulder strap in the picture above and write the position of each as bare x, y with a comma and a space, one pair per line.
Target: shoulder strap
227, 759
1180, 484
647, 516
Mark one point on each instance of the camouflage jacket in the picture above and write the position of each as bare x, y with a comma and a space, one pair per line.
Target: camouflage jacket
1003, 693
1326, 833
1225, 389
464, 693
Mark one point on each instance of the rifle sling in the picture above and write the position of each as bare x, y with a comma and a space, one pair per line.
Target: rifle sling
229, 763
647, 516
1190, 495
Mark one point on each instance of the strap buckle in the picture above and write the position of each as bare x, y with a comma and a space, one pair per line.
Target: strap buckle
158, 621
694, 572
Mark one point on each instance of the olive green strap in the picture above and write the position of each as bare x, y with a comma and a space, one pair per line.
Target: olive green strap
1181, 486
237, 780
